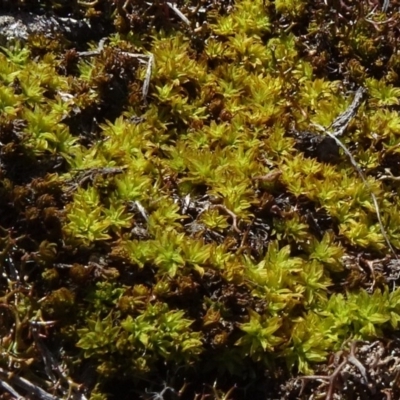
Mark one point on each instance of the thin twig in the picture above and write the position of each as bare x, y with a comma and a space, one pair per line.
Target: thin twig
11, 390
146, 82
375, 201
341, 123
331, 379
49, 361
142, 58
385, 5
269, 177
91, 53
352, 359
339, 126
179, 13
231, 213
389, 177
29, 387
141, 210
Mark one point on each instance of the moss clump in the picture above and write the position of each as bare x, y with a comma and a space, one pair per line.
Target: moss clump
58, 304
174, 215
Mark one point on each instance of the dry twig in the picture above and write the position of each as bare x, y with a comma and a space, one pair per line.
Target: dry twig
331, 379
147, 60
339, 126
231, 213
26, 385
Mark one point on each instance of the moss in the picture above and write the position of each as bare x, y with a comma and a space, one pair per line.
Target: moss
58, 304
188, 220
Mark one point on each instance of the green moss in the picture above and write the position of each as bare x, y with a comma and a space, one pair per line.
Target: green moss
295, 8
199, 231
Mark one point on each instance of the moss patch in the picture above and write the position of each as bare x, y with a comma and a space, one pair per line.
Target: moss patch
175, 220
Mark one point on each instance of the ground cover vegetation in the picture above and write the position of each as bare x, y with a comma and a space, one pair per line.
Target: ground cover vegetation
193, 205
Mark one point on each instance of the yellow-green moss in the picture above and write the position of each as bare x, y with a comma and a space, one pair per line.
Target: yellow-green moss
192, 230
